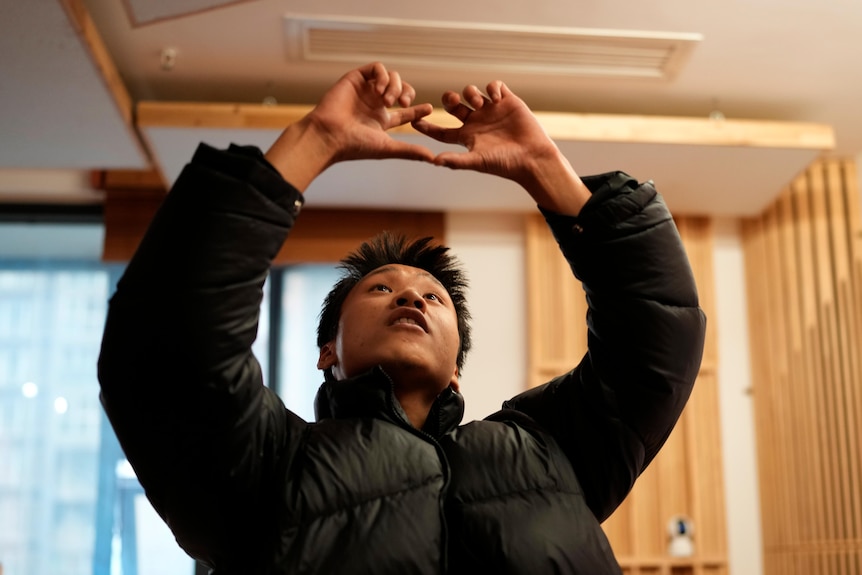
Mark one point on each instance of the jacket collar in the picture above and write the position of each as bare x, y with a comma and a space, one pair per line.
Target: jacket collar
372, 395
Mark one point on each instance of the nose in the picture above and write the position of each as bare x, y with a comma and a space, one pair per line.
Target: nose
408, 297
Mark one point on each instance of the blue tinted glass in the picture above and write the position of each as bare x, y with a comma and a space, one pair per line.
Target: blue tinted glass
67, 501
303, 289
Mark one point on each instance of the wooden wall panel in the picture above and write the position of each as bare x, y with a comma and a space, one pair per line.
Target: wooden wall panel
803, 263
320, 235
687, 477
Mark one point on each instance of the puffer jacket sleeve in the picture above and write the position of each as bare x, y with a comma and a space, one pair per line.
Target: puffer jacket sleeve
178, 379
614, 411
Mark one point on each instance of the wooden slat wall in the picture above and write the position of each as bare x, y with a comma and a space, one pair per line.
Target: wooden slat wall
804, 268
686, 478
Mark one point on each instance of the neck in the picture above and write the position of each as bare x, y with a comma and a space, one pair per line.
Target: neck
416, 405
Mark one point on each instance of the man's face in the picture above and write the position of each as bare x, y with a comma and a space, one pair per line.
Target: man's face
401, 318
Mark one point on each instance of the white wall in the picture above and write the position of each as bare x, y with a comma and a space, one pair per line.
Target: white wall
735, 403
492, 249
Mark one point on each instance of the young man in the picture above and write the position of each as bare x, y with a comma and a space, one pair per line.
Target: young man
387, 480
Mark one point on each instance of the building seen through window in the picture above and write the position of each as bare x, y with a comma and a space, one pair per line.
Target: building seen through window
69, 501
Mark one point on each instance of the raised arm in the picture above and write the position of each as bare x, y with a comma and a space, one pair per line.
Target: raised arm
614, 411
178, 379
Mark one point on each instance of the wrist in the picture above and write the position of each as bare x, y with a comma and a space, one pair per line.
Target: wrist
301, 153
555, 186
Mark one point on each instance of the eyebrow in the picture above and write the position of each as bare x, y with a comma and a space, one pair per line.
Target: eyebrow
420, 272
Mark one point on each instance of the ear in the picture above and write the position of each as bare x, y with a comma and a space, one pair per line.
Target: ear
328, 357
454, 381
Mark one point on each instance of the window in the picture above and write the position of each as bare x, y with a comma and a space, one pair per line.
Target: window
50, 421
303, 288
69, 502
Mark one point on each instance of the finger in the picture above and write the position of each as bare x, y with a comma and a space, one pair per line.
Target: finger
453, 105
474, 97
505, 91
406, 151
393, 88
435, 132
456, 160
400, 116
375, 74
495, 90
408, 94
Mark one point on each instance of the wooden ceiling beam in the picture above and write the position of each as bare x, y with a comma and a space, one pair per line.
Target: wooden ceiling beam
634, 129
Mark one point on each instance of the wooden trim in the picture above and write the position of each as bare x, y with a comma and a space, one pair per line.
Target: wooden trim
86, 28
560, 126
128, 180
320, 235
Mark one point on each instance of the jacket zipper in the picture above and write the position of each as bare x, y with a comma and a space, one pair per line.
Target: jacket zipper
444, 464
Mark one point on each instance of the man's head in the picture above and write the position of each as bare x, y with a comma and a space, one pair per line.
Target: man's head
396, 301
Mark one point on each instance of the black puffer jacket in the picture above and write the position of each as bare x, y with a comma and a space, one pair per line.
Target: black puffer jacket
248, 487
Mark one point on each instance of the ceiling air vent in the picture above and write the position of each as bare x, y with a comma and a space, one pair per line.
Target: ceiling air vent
530, 49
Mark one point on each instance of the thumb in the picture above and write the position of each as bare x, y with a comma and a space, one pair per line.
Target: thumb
407, 151
457, 160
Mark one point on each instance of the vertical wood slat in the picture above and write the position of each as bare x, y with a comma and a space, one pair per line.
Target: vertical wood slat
813, 418
700, 420
853, 207
828, 345
686, 478
806, 335
797, 469
849, 344
776, 316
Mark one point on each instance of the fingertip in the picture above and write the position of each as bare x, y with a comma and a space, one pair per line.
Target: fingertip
415, 152
495, 90
407, 99
450, 98
476, 98
444, 160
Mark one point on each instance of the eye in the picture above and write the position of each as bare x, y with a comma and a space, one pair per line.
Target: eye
432, 296
381, 287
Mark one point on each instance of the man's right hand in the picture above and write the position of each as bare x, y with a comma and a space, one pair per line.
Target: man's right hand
350, 123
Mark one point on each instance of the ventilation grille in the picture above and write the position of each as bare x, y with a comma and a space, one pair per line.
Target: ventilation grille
571, 51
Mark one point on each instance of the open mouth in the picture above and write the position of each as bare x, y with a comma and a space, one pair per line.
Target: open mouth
406, 320
409, 318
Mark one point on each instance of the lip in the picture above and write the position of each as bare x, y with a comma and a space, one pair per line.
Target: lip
412, 314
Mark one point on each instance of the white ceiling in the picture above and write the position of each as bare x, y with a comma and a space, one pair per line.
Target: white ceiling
782, 60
